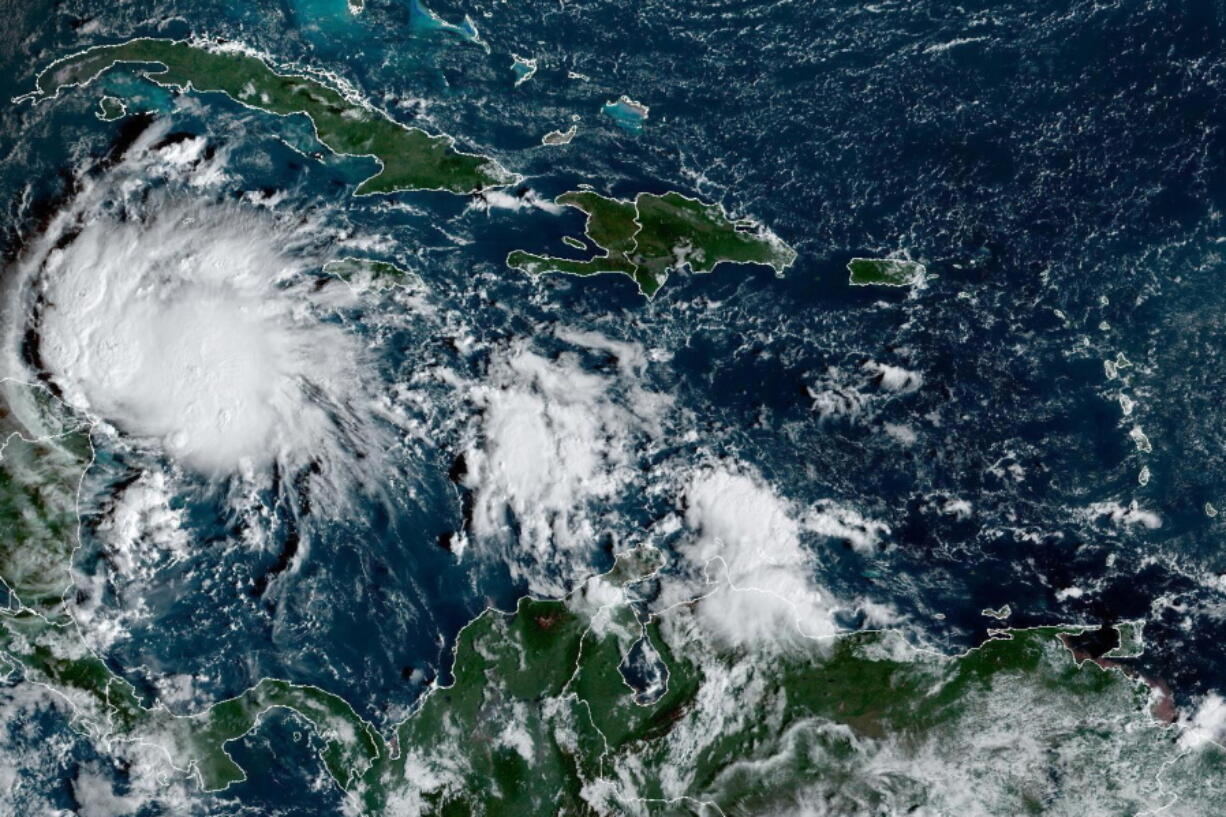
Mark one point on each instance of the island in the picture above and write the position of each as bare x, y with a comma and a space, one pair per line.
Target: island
110, 109
628, 114
559, 137
524, 68
884, 272
409, 158
647, 237
604, 700
368, 273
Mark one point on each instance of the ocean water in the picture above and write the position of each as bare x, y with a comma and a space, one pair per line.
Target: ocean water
1058, 167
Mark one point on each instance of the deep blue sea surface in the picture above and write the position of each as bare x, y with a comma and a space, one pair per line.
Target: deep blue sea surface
1058, 167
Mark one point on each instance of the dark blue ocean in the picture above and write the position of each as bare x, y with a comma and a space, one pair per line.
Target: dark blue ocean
1058, 167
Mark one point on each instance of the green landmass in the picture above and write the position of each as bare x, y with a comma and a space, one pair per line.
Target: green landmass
410, 158
108, 708
649, 236
369, 273
884, 272
1132, 639
44, 451
111, 108
539, 717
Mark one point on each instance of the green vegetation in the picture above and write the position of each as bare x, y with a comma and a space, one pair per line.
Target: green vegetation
634, 566
1132, 639
411, 159
108, 707
884, 272
43, 454
872, 725
540, 715
367, 273
517, 724
652, 235
111, 108
540, 719
52, 653
540, 708
351, 746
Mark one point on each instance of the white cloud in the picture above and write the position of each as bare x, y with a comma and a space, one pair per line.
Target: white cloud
1131, 514
834, 399
856, 395
184, 152
1207, 724
631, 358
192, 324
142, 525
554, 440
958, 508
901, 432
502, 200
894, 378
96, 797
744, 534
836, 521
188, 328
739, 534
1072, 592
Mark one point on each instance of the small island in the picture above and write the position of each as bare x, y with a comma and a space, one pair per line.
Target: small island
650, 236
559, 137
368, 273
524, 68
110, 109
627, 113
409, 158
884, 272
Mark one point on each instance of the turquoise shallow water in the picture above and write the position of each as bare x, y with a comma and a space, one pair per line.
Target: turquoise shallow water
625, 116
1058, 169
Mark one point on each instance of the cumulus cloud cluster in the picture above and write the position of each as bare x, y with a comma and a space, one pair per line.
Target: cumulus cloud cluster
748, 540
189, 327
1204, 725
187, 321
559, 446
857, 395
555, 445
746, 536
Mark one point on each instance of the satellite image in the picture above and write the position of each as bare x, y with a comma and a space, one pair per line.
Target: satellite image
570, 407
